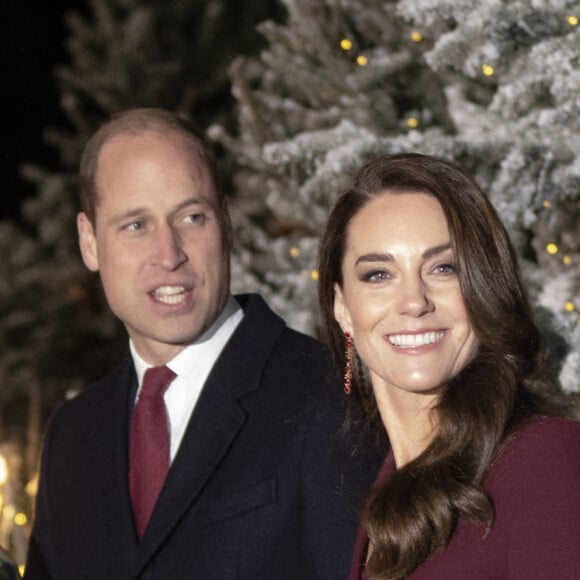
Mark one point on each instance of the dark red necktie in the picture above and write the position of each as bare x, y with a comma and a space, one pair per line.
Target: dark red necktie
149, 447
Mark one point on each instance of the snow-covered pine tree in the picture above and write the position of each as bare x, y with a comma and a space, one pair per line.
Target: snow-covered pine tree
489, 84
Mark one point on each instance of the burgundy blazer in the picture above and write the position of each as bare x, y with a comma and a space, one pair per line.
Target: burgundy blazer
535, 488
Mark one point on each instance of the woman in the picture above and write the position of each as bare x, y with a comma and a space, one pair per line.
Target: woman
420, 284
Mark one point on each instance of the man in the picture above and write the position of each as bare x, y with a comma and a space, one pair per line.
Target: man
245, 419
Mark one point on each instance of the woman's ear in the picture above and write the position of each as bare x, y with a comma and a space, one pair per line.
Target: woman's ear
341, 312
87, 242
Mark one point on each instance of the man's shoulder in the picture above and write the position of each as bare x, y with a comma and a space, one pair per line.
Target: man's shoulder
258, 316
97, 396
284, 356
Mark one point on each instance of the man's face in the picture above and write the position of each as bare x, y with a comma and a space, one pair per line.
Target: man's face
159, 242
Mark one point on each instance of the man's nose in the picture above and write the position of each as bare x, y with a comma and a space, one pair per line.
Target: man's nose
168, 251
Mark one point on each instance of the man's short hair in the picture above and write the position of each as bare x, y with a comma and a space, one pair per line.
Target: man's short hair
139, 122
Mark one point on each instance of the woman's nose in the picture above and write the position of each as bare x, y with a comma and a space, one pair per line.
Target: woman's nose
414, 297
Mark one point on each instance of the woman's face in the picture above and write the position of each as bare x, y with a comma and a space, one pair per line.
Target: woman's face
400, 298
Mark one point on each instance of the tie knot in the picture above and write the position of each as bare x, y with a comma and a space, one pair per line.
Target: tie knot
156, 381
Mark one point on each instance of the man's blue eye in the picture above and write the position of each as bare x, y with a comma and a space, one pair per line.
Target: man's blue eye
195, 218
135, 226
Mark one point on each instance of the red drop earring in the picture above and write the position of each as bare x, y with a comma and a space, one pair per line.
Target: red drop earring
347, 364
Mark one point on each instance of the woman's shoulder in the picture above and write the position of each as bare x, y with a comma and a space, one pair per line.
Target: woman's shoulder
533, 485
542, 434
541, 450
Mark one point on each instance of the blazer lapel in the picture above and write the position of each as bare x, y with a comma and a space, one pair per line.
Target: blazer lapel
117, 505
214, 425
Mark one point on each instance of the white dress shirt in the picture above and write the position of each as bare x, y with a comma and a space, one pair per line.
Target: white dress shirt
192, 367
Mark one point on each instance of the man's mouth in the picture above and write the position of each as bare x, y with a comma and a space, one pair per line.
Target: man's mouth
415, 340
169, 294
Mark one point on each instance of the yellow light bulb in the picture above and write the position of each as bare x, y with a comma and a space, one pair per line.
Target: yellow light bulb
567, 260
552, 249
3, 470
314, 275
547, 203
345, 44
20, 519
487, 70
416, 36
294, 251
362, 60
412, 122
32, 486
573, 20
569, 307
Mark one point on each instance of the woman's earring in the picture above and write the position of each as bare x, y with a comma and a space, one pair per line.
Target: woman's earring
347, 364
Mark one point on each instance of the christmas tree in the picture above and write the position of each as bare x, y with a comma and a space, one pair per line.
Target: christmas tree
491, 85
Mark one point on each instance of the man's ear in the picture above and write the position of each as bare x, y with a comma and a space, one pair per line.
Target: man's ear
87, 242
227, 228
341, 312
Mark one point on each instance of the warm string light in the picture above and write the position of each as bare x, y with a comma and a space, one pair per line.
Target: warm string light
573, 20
553, 249
3, 470
416, 36
547, 204
313, 274
487, 70
347, 45
412, 122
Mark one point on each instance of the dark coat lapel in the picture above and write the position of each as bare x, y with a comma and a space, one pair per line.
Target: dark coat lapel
121, 410
117, 392
215, 423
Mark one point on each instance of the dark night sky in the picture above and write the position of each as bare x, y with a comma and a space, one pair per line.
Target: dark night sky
33, 35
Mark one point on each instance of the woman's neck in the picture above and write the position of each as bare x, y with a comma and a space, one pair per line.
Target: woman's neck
410, 422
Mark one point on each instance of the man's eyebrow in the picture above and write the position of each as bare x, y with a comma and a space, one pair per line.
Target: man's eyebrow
127, 215
192, 201
139, 212
387, 257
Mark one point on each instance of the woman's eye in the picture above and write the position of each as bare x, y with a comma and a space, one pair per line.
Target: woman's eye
446, 268
375, 276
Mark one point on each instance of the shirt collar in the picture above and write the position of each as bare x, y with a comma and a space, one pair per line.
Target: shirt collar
205, 349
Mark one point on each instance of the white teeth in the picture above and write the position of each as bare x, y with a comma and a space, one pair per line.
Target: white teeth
413, 340
169, 294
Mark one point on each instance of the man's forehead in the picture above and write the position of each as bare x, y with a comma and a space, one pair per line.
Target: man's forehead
127, 148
